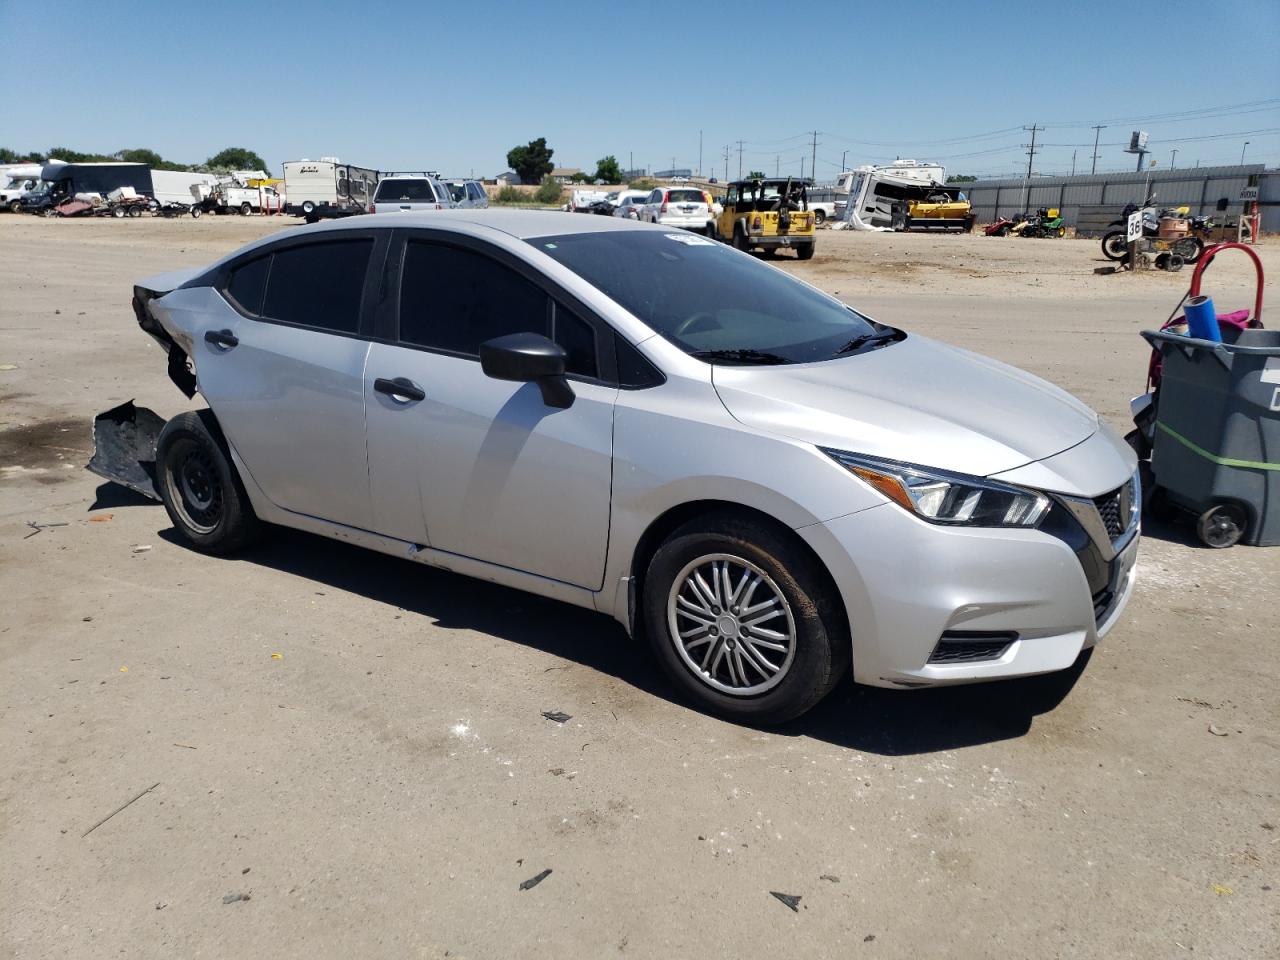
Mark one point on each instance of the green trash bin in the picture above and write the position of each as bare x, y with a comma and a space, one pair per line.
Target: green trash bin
1216, 445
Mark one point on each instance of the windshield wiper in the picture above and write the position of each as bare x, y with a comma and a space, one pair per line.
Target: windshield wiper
866, 338
740, 356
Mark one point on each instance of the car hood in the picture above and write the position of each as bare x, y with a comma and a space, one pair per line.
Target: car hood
917, 401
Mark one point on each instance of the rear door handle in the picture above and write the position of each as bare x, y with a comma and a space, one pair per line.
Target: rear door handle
399, 388
221, 338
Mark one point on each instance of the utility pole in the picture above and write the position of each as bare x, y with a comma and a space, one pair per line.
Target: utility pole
699, 154
813, 161
631, 162
726, 163
1031, 153
1242, 150
777, 165
802, 168
1174, 162
1098, 128
1073, 162
844, 161
741, 144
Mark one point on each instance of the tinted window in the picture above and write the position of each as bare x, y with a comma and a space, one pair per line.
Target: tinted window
684, 196
579, 341
634, 370
319, 284
701, 295
248, 283
409, 191
455, 299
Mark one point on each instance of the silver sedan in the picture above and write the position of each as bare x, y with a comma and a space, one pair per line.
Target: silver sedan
769, 486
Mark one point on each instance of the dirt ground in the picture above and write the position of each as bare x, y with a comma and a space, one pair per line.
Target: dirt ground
357, 745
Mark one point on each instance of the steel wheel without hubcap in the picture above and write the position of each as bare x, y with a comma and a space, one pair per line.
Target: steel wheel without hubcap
731, 625
199, 491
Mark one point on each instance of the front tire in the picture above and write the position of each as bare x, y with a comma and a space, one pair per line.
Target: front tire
200, 489
1114, 245
744, 620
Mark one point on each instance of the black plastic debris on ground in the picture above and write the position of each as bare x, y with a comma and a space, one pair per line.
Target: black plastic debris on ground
534, 881
791, 901
557, 716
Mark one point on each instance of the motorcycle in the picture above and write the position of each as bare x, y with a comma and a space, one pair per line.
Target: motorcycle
1116, 247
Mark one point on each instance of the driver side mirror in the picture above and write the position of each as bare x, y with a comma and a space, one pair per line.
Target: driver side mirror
529, 358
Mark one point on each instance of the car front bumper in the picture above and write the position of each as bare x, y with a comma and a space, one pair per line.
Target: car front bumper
914, 589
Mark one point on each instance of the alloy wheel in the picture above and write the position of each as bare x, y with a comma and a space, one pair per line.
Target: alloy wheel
731, 625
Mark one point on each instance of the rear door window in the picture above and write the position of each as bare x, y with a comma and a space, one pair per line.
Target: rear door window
248, 283
319, 284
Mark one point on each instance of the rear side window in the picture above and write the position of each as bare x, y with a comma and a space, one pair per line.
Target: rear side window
454, 299
319, 284
248, 283
408, 191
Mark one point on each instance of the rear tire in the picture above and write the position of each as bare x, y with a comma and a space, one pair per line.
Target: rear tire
15, 206
805, 251
1188, 248
808, 648
198, 484
740, 239
245, 209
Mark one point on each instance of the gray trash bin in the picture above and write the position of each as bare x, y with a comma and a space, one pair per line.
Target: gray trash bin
1216, 447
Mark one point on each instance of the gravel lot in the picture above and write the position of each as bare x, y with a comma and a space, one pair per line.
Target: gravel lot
357, 746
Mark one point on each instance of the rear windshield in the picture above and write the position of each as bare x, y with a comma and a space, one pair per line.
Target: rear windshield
684, 196
458, 191
409, 191
701, 295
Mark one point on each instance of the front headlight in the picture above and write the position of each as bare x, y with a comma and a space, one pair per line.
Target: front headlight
947, 498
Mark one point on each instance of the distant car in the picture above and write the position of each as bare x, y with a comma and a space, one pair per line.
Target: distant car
468, 194
773, 489
631, 205
410, 195
686, 207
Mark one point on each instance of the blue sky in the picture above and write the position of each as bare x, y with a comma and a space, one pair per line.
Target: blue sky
449, 86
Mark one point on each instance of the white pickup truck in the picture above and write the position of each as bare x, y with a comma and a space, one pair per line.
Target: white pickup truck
230, 197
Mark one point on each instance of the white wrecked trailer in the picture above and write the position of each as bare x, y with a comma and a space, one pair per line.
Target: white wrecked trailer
873, 190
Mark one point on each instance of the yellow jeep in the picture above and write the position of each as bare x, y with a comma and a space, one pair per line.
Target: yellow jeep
769, 214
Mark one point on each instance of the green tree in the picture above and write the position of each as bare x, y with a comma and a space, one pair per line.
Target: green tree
961, 178
755, 175
549, 192
582, 177
607, 169
237, 158
140, 155
531, 162
75, 156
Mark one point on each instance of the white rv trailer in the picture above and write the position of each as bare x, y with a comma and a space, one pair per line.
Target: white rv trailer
873, 190
326, 188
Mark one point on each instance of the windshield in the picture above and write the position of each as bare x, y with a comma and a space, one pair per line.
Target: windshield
703, 296
412, 191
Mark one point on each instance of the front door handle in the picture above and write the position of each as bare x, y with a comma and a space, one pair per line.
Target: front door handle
399, 388
221, 338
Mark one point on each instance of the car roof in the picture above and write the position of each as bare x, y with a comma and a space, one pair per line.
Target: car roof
521, 224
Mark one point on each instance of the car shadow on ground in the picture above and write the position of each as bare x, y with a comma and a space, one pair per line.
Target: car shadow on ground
886, 722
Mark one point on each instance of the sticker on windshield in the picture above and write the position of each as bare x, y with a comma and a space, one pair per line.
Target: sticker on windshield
690, 239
